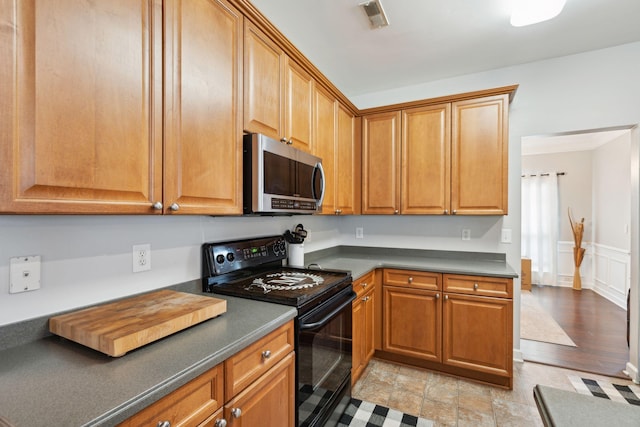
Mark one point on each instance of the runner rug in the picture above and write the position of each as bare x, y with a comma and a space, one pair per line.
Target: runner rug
537, 324
360, 413
616, 392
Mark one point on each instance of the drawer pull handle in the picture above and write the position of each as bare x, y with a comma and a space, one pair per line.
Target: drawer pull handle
365, 299
475, 286
266, 354
364, 284
236, 412
163, 424
220, 423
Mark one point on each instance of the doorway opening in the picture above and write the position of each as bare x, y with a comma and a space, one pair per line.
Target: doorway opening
593, 171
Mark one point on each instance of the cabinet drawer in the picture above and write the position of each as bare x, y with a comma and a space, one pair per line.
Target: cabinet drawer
363, 284
479, 285
414, 279
246, 366
190, 405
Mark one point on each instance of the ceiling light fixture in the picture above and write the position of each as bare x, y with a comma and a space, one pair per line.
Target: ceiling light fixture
527, 12
375, 12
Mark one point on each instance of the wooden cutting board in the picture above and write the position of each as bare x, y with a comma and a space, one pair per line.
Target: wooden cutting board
118, 327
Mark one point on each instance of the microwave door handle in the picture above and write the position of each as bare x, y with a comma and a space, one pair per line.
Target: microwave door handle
324, 183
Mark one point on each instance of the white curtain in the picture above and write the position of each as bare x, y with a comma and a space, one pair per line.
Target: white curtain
540, 226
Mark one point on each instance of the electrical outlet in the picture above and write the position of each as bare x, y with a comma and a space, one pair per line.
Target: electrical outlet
505, 236
24, 272
359, 233
466, 234
141, 258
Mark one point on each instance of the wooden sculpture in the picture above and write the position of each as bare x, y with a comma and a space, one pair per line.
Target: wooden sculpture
578, 251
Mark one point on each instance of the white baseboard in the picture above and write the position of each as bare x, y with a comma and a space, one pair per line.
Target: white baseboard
632, 372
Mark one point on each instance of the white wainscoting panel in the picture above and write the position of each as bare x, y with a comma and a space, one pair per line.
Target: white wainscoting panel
612, 273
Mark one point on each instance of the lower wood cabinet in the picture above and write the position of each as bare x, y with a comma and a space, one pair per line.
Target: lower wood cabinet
363, 325
458, 324
257, 384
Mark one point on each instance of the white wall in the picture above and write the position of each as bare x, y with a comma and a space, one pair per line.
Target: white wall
611, 189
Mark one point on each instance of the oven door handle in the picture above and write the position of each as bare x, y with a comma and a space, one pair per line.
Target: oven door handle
328, 317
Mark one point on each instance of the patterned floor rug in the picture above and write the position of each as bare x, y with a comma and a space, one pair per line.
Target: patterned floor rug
360, 413
616, 392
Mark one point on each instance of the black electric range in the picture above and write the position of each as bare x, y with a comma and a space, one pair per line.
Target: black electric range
253, 268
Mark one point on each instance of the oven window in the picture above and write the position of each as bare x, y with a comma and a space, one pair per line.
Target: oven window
324, 361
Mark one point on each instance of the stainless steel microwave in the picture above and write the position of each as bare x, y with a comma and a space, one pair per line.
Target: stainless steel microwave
280, 179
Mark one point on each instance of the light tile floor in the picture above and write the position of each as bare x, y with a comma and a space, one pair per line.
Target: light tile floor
456, 402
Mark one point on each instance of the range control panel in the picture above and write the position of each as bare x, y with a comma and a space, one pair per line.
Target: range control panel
225, 257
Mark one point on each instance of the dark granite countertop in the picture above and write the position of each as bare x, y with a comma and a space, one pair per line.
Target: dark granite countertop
53, 381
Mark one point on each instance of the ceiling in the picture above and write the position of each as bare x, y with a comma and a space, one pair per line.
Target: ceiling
576, 141
430, 40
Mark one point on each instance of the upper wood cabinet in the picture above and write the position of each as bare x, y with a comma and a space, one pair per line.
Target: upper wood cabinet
426, 154
264, 65
449, 158
87, 136
278, 95
480, 156
336, 143
203, 105
80, 112
381, 135
348, 158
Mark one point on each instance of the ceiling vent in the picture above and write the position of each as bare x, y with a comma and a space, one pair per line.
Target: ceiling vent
375, 13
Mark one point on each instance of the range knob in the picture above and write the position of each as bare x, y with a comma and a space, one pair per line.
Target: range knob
220, 259
230, 257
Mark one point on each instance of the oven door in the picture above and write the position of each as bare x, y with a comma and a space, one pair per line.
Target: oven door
324, 361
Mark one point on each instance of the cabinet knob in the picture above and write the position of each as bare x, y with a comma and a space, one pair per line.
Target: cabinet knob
396, 212
338, 211
437, 296
163, 424
454, 211
446, 297
174, 207
220, 423
236, 412
446, 211
410, 279
157, 206
286, 141
475, 286
266, 354
365, 299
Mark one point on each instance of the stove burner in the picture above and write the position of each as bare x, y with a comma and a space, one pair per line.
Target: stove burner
285, 281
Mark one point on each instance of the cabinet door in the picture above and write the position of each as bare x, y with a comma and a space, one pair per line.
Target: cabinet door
478, 334
357, 340
426, 148
267, 402
324, 144
381, 163
263, 83
87, 134
298, 106
412, 322
203, 127
479, 163
347, 171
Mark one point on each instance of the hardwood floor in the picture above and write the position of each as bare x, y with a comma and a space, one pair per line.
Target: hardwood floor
597, 326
